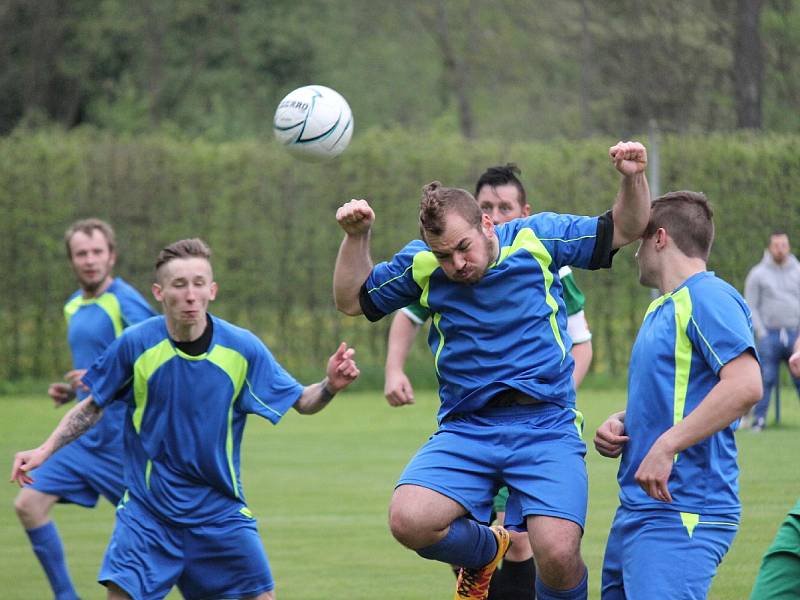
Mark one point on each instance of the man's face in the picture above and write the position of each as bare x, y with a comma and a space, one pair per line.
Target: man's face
779, 247
185, 287
464, 252
91, 258
501, 203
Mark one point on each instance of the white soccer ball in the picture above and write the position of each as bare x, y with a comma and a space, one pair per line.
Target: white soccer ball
314, 123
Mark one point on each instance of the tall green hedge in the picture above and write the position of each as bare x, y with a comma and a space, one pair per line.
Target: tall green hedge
269, 219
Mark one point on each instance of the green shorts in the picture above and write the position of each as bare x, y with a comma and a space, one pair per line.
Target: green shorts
779, 576
500, 500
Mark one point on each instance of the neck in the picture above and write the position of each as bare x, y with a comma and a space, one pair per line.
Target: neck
99, 290
680, 271
186, 332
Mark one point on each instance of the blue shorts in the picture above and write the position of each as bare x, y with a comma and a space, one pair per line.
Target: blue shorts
535, 450
664, 553
79, 475
146, 557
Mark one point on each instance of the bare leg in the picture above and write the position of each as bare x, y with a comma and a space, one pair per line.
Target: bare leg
33, 507
419, 517
556, 546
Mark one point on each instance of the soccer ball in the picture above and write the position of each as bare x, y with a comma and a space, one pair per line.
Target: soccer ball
314, 123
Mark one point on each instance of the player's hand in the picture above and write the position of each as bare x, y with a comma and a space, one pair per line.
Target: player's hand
75, 379
794, 364
610, 438
61, 393
24, 462
342, 369
654, 472
356, 217
397, 388
630, 158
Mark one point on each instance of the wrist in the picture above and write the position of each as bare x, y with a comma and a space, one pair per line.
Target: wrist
327, 391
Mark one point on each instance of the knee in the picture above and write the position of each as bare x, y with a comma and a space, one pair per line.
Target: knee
559, 560
405, 527
29, 510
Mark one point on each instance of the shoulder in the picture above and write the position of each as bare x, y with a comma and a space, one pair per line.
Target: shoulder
237, 338
710, 294
125, 291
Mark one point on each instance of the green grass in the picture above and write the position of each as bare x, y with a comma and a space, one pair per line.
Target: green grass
320, 487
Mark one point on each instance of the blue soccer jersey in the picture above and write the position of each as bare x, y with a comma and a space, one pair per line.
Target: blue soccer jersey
186, 415
92, 325
687, 336
506, 330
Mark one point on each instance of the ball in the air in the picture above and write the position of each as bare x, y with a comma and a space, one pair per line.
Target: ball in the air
314, 122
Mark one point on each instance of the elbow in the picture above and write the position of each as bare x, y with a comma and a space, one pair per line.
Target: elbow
751, 391
349, 308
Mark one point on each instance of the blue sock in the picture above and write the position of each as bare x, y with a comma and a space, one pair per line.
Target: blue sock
467, 543
48, 549
579, 592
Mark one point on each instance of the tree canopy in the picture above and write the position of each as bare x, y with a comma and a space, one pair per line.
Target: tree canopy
487, 68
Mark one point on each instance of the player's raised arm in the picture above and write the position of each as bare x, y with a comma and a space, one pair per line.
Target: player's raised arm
631, 211
341, 372
353, 263
74, 424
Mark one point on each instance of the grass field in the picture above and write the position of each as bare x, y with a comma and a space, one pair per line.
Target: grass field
320, 486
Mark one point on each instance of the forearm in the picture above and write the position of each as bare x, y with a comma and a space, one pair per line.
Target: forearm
631, 211
726, 402
401, 336
582, 354
75, 423
353, 265
315, 397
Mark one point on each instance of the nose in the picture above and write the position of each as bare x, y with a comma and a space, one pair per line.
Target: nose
458, 261
496, 218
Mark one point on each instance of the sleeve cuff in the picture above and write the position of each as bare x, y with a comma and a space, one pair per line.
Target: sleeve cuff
603, 252
372, 312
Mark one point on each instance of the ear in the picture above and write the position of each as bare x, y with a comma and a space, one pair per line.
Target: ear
157, 293
661, 238
213, 291
526, 210
112, 259
487, 225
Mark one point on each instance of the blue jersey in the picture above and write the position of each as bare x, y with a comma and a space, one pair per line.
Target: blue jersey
92, 324
186, 415
508, 329
687, 336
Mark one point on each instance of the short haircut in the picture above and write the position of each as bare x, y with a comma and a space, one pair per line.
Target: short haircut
688, 219
777, 232
438, 201
87, 226
190, 248
503, 175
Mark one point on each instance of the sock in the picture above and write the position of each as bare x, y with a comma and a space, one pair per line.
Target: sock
579, 592
48, 549
514, 581
467, 543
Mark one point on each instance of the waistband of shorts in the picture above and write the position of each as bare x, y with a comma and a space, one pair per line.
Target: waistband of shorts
509, 402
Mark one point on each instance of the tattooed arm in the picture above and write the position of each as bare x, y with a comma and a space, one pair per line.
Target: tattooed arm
74, 424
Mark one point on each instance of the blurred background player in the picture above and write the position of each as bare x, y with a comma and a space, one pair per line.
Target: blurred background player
96, 314
507, 413
693, 373
194, 378
501, 195
772, 289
